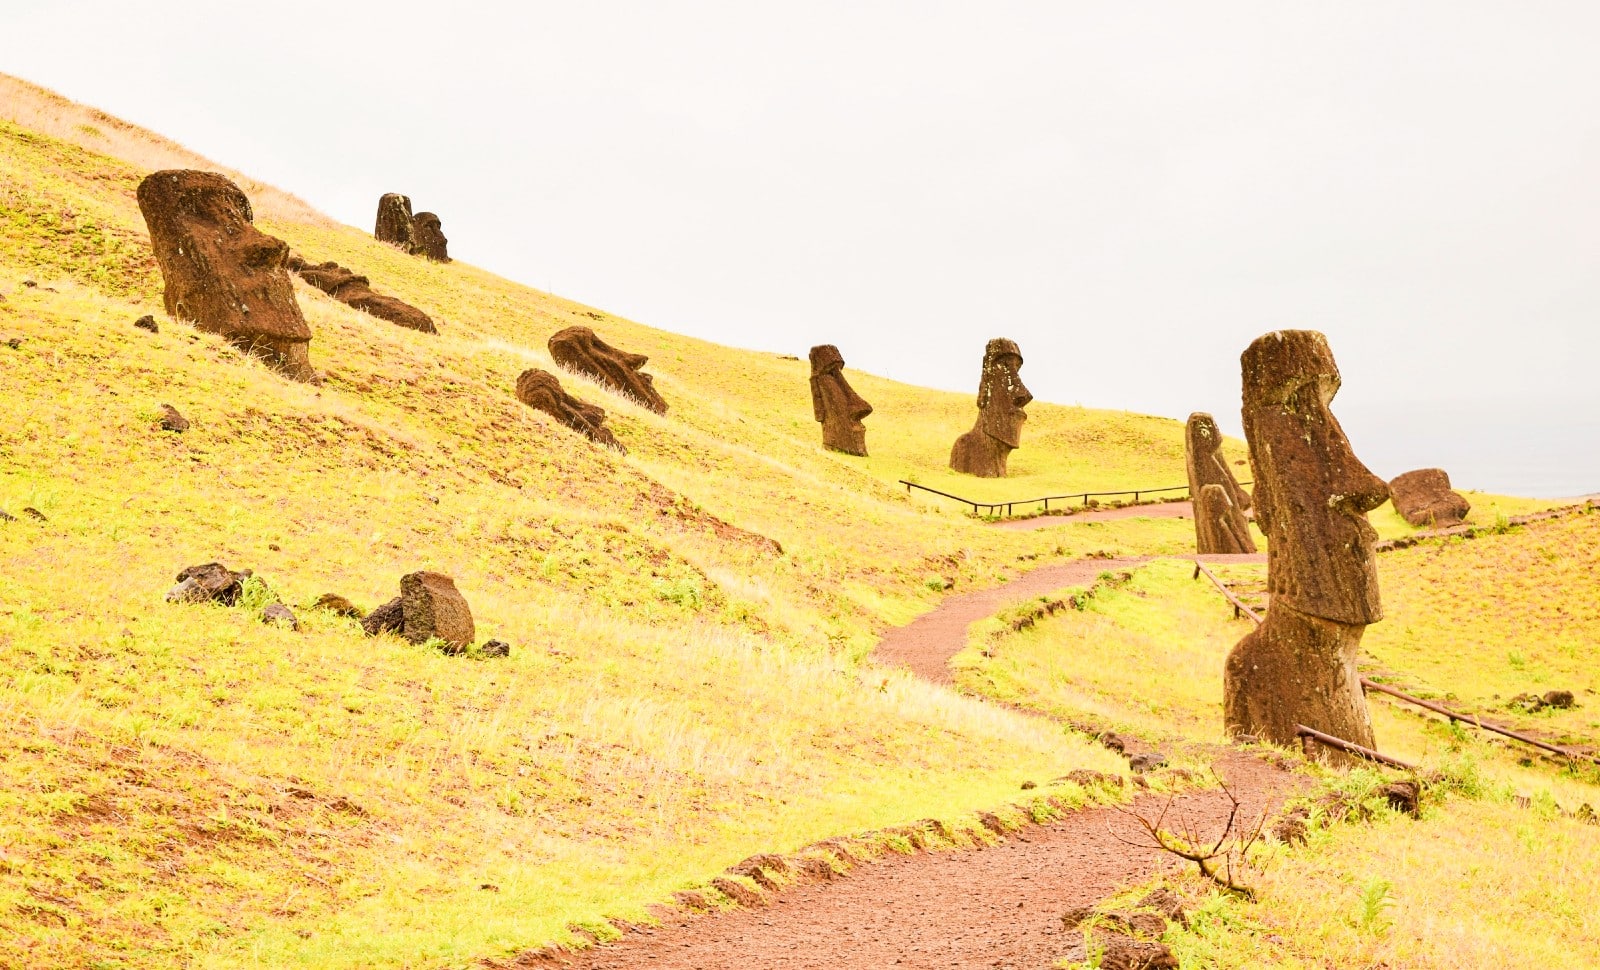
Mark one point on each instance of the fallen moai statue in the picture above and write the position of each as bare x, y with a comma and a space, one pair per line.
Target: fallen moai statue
1220, 523
221, 272
836, 404
356, 291
1001, 397
1424, 498
539, 389
578, 349
1312, 495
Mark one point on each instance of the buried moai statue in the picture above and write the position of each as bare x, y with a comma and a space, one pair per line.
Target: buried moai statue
221, 272
836, 404
578, 349
394, 222
1312, 495
430, 238
356, 291
1001, 398
1424, 498
540, 390
1220, 524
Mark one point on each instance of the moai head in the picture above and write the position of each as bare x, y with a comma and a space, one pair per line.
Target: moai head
394, 222
220, 271
836, 405
578, 349
429, 235
1312, 493
541, 390
1001, 393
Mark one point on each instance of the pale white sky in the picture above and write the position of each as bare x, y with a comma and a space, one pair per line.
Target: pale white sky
1132, 192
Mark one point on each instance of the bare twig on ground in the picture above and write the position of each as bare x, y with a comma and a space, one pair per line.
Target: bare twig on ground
1230, 847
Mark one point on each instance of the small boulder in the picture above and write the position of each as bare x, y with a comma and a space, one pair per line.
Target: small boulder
276, 614
1090, 778
1404, 797
334, 603
7, 516
388, 618
1424, 498
171, 420
147, 322
212, 582
433, 607
495, 648
34, 514
1167, 903
1149, 761
1558, 699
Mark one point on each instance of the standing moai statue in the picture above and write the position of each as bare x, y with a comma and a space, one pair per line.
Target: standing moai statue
578, 349
1220, 524
395, 222
430, 241
1424, 498
836, 404
221, 272
1001, 398
1312, 496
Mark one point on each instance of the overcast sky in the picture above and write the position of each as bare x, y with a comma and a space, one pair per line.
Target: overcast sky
1133, 192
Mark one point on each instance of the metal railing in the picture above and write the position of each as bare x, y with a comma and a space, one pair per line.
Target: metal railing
1084, 497
1311, 736
1475, 721
1238, 604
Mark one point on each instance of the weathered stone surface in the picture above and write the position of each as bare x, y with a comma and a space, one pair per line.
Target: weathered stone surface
539, 389
429, 236
1220, 504
1311, 499
147, 322
1001, 397
277, 614
836, 404
578, 349
495, 648
221, 272
210, 582
388, 618
334, 603
356, 291
1424, 498
395, 222
171, 420
433, 607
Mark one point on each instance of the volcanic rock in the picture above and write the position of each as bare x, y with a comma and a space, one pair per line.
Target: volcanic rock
1219, 503
578, 349
221, 272
279, 615
388, 618
210, 582
171, 420
1001, 397
540, 390
395, 222
1423, 498
429, 236
432, 607
334, 603
147, 322
836, 404
356, 291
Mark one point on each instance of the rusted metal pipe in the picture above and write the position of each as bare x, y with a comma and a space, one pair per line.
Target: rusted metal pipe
1474, 720
1350, 746
1200, 569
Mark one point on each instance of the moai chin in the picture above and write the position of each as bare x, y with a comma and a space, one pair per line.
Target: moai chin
1001, 397
1220, 523
220, 271
836, 404
1312, 495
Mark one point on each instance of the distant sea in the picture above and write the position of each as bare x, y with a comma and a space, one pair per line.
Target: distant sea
1537, 450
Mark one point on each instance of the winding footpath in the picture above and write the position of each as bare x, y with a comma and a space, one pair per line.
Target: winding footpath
995, 907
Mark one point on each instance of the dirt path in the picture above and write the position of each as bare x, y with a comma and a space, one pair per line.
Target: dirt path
1159, 510
998, 907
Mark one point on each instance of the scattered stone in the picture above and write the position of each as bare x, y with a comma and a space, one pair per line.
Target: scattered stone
430, 240
836, 404
691, 900
221, 272
208, 583
1559, 699
756, 867
1531, 703
1424, 498
1167, 903
7, 516
30, 284
1586, 814
540, 390
578, 349
992, 822
14, 342
1311, 498
1149, 761
274, 547
147, 322
279, 615
171, 420
1404, 797
34, 514
1219, 503
395, 222
738, 892
1090, 778
1029, 785
1126, 940
388, 618
433, 607
336, 604
1113, 742
495, 648
1001, 397
356, 291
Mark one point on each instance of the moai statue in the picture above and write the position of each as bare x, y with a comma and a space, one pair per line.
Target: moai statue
430, 241
395, 222
1001, 398
539, 389
578, 349
221, 272
356, 291
1312, 496
837, 406
1220, 524
1424, 498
